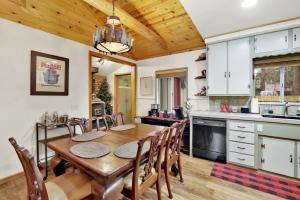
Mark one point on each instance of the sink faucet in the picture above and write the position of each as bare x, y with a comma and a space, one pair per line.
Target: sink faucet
287, 105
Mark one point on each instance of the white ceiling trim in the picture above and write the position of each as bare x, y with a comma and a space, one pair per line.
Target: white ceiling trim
254, 31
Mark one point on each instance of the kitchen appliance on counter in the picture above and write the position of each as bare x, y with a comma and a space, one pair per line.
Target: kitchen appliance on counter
224, 108
178, 112
154, 112
209, 139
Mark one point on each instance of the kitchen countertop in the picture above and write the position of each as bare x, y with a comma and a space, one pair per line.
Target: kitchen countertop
243, 116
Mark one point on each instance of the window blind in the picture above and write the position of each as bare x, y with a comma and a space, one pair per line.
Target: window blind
289, 60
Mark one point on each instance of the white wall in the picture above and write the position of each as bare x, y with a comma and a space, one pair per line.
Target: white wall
149, 66
110, 79
19, 110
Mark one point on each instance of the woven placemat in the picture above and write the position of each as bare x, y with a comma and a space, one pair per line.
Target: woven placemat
89, 136
129, 150
90, 150
123, 127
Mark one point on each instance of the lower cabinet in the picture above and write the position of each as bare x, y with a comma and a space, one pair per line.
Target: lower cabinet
243, 159
278, 156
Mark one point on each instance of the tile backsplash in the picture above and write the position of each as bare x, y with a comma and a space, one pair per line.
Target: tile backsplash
216, 102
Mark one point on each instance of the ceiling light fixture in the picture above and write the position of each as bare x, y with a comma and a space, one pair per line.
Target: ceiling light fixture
113, 38
248, 3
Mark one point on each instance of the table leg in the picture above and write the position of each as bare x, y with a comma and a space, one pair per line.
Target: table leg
109, 192
46, 153
37, 145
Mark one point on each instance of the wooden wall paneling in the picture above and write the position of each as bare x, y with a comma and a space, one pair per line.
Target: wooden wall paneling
76, 20
129, 21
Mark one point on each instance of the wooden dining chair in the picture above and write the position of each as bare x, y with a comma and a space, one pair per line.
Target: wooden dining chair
172, 153
145, 172
73, 123
109, 121
67, 186
118, 118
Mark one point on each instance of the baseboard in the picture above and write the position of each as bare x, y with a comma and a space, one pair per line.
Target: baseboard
11, 178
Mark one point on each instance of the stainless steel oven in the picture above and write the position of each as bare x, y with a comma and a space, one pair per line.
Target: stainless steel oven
209, 139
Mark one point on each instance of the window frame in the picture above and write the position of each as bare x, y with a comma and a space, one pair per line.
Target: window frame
281, 98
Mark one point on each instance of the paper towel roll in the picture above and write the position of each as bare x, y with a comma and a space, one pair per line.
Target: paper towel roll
254, 105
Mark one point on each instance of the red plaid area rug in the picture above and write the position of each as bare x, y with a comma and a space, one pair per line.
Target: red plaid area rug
266, 183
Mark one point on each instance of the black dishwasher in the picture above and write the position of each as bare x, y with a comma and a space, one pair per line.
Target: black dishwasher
209, 139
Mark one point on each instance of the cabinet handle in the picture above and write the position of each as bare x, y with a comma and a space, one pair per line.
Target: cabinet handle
225, 74
242, 159
242, 137
242, 148
285, 38
229, 74
295, 37
241, 126
291, 158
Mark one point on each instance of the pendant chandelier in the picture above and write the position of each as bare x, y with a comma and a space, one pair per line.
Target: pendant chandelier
113, 38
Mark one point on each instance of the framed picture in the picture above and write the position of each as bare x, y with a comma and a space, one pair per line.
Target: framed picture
49, 74
146, 86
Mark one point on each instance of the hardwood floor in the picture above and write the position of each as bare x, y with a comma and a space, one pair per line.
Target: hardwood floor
198, 185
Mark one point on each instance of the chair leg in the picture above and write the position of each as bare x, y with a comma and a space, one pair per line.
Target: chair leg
158, 188
167, 176
180, 169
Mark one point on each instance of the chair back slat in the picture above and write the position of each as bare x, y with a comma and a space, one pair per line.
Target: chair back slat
35, 185
109, 121
72, 124
157, 141
175, 139
118, 118
100, 127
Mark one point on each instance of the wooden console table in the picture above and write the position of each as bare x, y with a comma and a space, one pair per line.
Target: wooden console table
46, 128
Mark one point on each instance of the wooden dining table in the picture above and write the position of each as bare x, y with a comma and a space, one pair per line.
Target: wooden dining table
108, 171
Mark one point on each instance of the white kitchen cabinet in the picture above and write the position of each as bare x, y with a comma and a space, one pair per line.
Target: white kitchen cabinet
278, 156
271, 42
217, 69
296, 38
239, 67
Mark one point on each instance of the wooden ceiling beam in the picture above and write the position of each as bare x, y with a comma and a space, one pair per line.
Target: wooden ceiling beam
129, 21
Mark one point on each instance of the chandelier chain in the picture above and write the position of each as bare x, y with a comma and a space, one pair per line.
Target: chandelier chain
113, 7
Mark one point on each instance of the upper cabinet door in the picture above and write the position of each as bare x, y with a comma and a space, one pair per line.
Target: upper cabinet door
217, 69
278, 156
239, 67
296, 38
271, 42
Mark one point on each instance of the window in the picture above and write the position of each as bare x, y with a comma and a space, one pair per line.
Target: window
171, 89
277, 79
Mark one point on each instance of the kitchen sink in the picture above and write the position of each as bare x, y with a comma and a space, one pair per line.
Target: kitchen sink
282, 117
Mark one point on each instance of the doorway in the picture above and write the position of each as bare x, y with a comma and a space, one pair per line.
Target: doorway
121, 77
122, 95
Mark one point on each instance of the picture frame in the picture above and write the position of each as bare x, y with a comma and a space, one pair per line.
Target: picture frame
146, 86
49, 75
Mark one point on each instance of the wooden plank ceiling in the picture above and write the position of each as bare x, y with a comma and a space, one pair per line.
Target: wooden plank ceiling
77, 20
